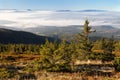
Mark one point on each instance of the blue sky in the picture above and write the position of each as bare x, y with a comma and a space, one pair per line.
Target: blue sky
61, 4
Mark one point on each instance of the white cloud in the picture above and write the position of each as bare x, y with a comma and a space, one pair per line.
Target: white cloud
51, 18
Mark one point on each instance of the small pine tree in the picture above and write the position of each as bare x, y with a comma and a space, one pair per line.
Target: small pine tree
84, 45
55, 57
106, 48
86, 28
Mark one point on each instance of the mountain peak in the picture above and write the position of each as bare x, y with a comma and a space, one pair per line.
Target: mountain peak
63, 10
93, 10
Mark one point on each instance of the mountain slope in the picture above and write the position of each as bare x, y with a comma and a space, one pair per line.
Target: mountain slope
10, 36
101, 31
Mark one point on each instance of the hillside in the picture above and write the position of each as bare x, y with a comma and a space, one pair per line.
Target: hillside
11, 36
53, 31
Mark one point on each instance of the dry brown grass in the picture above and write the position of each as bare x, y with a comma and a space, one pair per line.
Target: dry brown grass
40, 75
74, 76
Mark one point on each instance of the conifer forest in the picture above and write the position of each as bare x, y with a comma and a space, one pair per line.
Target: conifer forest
80, 58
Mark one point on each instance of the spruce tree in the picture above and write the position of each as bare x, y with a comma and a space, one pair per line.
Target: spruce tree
84, 45
55, 57
105, 48
108, 49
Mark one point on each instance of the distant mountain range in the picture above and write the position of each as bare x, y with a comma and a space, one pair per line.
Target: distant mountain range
8, 36
26, 10
93, 10
38, 35
88, 10
53, 31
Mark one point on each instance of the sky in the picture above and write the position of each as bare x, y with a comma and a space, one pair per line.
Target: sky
112, 5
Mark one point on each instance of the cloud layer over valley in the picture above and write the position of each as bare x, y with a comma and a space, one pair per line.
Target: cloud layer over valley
37, 18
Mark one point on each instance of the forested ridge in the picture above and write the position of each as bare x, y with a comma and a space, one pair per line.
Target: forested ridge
8, 36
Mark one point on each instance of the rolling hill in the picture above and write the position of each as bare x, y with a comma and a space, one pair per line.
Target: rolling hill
8, 36
53, 31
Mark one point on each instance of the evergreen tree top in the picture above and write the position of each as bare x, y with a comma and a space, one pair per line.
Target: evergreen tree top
86, 21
